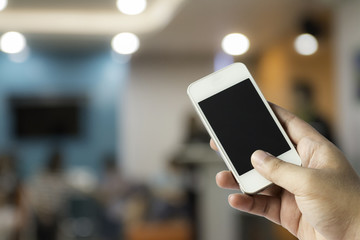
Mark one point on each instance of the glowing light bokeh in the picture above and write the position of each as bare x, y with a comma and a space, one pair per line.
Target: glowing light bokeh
131, 7
3, 4
20, 57
306, 44
235, 44
125, 43
12, 42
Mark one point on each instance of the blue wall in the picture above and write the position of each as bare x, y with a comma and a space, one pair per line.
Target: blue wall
95, 75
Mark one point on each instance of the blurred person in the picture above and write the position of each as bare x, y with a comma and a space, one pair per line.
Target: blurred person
112, 192
12, 207
319, 200
170, 193
195, 131
138, 205
305, 108
48, 192
185, 164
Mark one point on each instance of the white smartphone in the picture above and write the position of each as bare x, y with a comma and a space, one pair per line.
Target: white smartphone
240, 121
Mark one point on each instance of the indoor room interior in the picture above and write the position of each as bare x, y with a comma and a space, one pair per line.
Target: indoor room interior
98, 138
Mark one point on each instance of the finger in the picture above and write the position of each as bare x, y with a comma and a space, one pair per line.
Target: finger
226, 180
272, 190
283, 174
213, 145
260, 205
294, 126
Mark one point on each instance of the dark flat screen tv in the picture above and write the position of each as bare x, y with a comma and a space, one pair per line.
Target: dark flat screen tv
46, 117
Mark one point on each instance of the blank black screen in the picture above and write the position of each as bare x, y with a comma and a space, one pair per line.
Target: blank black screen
243, 124
45, 117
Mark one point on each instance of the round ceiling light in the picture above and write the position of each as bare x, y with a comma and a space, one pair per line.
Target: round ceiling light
235, 44
12, 42
3, 4
306, 44
131, 7
125, 43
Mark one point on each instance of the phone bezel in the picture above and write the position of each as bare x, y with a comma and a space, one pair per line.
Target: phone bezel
251, 181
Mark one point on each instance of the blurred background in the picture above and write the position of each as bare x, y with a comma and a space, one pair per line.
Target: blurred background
98, 139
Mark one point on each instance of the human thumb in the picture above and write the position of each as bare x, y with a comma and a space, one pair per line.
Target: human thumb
283, 174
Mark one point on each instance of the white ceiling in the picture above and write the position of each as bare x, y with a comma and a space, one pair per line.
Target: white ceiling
201, 24
70, 19
167, 26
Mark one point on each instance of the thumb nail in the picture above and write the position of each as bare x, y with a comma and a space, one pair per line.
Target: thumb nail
231, 197
259, 157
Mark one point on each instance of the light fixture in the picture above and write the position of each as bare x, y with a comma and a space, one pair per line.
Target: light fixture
20, 57
120, 58
3, 4
306, 44
235, 44
125, 43
12, 42
131, 7
222, 60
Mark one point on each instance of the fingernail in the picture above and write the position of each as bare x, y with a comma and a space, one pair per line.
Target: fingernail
217, 175
259, 156
230, 197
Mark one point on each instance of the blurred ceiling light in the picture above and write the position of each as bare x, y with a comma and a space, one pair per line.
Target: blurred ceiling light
306, 44
222, 60
21, 56
12, 42
120, 58
125, 43
3, 4
235, 44
131, 7
79, 22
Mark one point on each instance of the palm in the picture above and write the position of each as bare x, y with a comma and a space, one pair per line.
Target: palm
292, 219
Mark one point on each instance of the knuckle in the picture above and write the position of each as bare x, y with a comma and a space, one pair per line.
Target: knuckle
308, 141
275, 168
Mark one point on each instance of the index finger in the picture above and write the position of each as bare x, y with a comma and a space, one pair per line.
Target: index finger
213, 145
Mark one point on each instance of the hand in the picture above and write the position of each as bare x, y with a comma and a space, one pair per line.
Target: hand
320, 200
